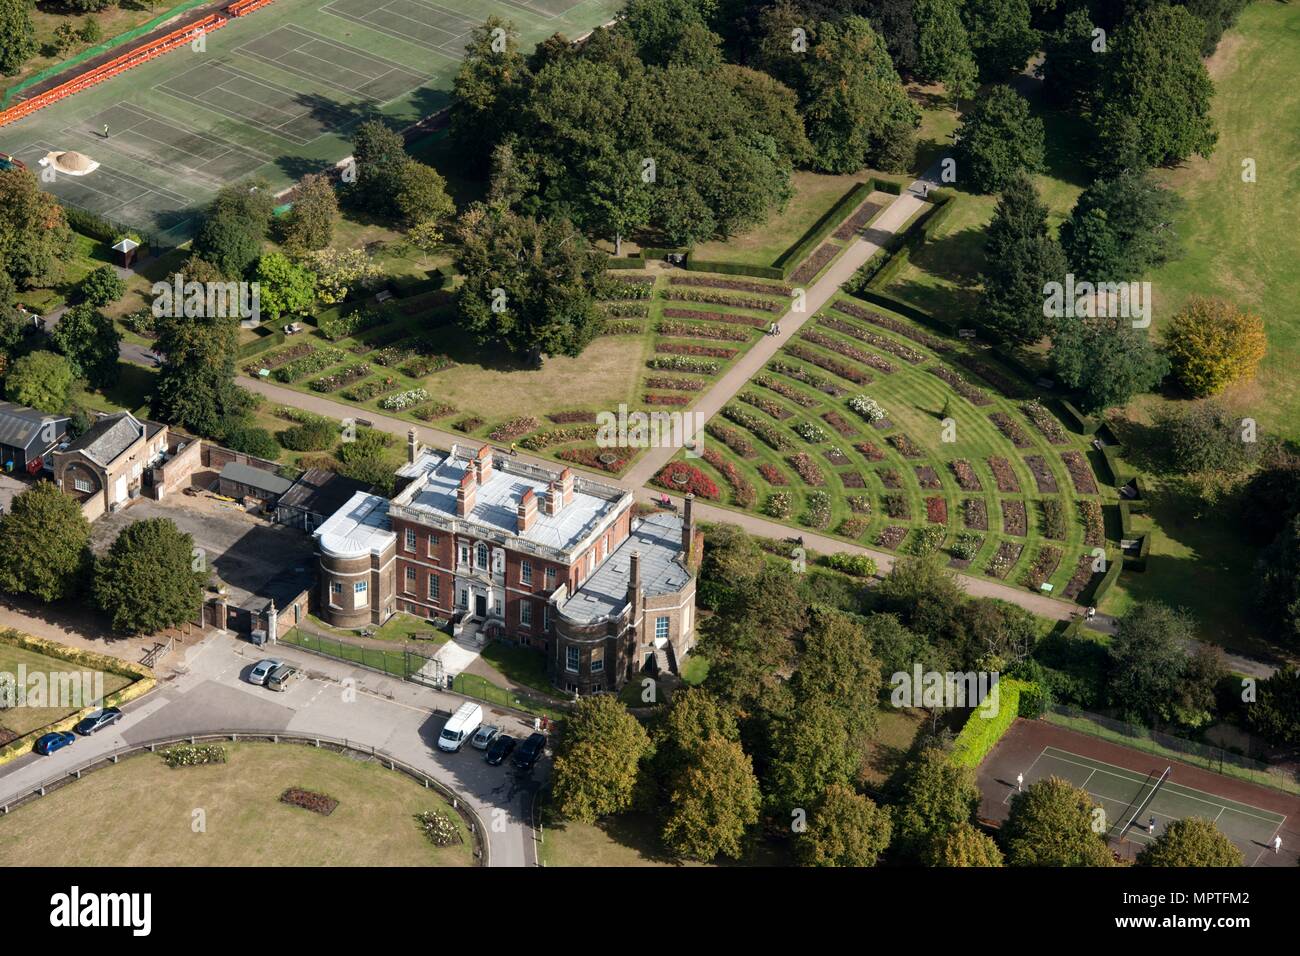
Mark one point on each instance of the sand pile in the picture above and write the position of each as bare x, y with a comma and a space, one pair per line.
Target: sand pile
71, 163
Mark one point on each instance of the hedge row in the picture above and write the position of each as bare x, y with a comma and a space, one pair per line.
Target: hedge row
1077, 420
272, 338
981, 734
1126, 511
789, 260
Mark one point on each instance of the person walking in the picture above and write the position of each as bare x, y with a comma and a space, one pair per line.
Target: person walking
105, 131
1277, 844
1020, 782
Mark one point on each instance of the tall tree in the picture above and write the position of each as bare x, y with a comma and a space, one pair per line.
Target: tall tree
196, 388
1020, 257
285, 287
35, 239
1122, 227
17, 36
1213, 344
44, 544
931, 796
1191, 841
943, 53
812, 750
147, 580
1156, 104
844, 829
1107, 360
41, 380
487, 87
998, 138
379, 154
1072, 69
598, 761
90, 341
1150, 676
1001, 36
659, 28
837, 668
964, 845
420, 194
692, 716
310, 223
1052, 824
714, 803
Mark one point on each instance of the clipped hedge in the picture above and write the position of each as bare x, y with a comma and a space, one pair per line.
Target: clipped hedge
1078, 421
981, 734
734, 268
631, 262
789, 260
1108, 581
260, 344
1110, 455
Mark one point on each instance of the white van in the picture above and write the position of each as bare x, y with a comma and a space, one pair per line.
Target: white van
460, 727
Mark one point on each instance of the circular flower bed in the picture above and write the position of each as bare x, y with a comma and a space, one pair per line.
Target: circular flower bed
680, 476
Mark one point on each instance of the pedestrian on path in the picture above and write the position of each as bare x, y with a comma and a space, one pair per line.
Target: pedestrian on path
105, 131
1020, 782
1151, 826
1277, 844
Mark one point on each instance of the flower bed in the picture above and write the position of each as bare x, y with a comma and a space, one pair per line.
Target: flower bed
967, 546
1003, 474
810, 433
579, 417
750, 320
367, 390
775, 410
773, 475
837, 458
733, 439
1043, 476
340, 379
559, 436
307, 800
859, 504
1004, 559
193, 755
814, 264
1007, 426
681, 477
771, 436
1080, 578
807, 469
967, 480
1014, 520
1044, 566
853, 527
801, 374
427, 365
1005, 384
404, 400
611, 289
742, 492
626, 310
663, 382
906, 447
975, 514
621, 328
847, 372
818, 515
391, 355
316, 360
936, 509
685, 330
867, 407
650, 398
717, 298
1094, 527
848, 351
595, 458
1054, 525
1042, 419
932, 342
1080, 473
281, 357
679, 363
890, 478
852, 479
841, 424
851, 226
907, 354
427, 413
438, 828
795, 395
896, 506
779, 504
738, 285
965, 389
345, 326
927, 477
707, 351
514, 428
891, 537
927, 540
470, 423
869, 451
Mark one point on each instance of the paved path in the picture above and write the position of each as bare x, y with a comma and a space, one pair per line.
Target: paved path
210, 694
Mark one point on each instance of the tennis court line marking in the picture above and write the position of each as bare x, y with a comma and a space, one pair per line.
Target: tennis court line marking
115, 174
1189, 792
294, 28
305, 37
198, 134
435, 47
233, 113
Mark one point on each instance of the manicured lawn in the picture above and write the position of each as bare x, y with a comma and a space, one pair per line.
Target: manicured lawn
628, 840
896, 729
131, 391
99, 820
25, 719
403, 627
522, 665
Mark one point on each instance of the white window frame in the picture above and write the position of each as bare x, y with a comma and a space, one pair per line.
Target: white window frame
435, 588
412, 578
663, 626
361, 594
597, 660
525, 613
572, 660
410, 540
525, 571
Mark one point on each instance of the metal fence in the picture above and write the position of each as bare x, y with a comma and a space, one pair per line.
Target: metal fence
1192, 752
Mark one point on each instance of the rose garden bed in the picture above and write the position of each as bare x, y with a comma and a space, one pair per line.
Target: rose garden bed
732, 438
869, 451
898, 349
1079, 580
1094, 527
807, 469
1043, 476
737, 285
847, 372
848, 351
852, 479
1008, 426
770, 435
840, 424
927, 477
814, 264
801, 374
1004, 559
1042, 419
936, 510
788, 392
975, 514
1004, 475
896, 506
1045, 564
959, 385
1054, 524
307, 800
604, 459
932, 342
906, 447
774, 409
891, 537
752, 321
967, 480
683, 478
1080, 473
773, 475
890, 478
837, 458
1014, 520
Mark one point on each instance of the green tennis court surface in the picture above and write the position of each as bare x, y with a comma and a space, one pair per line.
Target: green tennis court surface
275, 94
1131, 795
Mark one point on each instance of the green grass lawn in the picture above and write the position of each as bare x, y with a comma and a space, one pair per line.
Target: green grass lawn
896, 729
99, 820
522, 665
631, 839
25, 719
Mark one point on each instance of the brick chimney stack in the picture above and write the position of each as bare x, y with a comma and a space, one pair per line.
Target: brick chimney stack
688, 528
483, 464
412, 445
634, 586
527, 511
566, 486
466, 494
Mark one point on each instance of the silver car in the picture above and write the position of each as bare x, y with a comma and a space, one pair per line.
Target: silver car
283, 677
262, 670
484, 736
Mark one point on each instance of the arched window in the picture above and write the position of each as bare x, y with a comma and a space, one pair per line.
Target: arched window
481, 556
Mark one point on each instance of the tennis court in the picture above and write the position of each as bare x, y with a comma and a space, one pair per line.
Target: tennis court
275, 94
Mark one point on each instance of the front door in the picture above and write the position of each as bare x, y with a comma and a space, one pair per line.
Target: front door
480, 605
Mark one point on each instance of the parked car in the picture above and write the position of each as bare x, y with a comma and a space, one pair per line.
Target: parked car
283, 677
529, 751
262, 670
484, 736
98, 720
460, 726
49, 743
501, 748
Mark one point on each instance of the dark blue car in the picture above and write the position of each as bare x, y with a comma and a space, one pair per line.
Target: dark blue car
49, 743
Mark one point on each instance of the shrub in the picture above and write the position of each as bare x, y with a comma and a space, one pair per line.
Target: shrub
315, 435
778, 504
819, 510
404, 400
192, 755
253, 440
868, 408
858, 565
438, 827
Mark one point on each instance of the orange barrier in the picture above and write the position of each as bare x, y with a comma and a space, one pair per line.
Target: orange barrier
130, 59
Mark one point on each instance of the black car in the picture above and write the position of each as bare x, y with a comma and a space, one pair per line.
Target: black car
99, 719
499, 749
529, 751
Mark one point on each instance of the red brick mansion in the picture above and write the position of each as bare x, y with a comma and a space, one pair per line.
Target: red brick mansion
547, 560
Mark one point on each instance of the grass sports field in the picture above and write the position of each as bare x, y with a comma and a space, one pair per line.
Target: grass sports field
274, 94
140, 812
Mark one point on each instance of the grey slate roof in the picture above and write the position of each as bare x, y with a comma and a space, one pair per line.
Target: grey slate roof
320, 491
267, 481
658, 538
20, 426
105, 440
